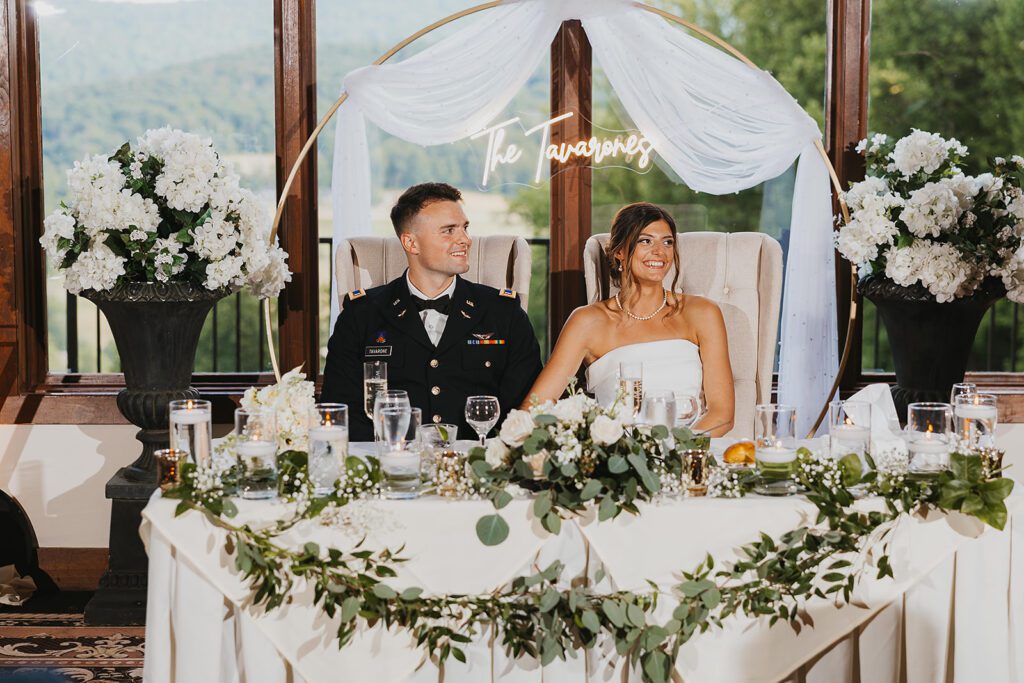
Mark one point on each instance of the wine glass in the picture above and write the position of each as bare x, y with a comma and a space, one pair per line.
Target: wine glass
687, 409
482, 414
960, 389
375, 380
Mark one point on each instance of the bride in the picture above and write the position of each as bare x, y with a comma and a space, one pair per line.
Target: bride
679, 339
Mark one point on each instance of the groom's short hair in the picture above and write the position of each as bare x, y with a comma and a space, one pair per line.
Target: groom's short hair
416, 197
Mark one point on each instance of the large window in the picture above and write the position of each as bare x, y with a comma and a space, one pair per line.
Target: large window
348, 36
954, 68
111, 70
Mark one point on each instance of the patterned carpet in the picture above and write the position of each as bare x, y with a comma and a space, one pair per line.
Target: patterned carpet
56, 647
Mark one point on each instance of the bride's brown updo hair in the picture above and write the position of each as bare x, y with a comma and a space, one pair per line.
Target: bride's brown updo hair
627, 225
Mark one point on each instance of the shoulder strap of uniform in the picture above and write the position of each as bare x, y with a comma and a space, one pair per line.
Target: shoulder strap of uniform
356, 294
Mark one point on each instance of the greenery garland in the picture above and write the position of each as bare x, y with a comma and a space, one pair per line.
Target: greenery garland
534, 617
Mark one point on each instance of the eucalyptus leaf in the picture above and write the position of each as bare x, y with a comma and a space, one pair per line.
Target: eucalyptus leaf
491, 529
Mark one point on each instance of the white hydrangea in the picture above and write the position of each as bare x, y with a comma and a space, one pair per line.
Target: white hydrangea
870, 186
854, 243
931, 210
270, 280
190, 165
95, 268
939, 267
169, 261
57, 225
225, 273
232, 238
216, 237
919, 151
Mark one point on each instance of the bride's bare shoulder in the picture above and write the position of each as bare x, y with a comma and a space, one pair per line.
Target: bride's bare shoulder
698, 309
586, 318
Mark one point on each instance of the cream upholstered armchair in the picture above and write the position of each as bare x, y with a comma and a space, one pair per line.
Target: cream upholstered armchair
496, 260
742, 273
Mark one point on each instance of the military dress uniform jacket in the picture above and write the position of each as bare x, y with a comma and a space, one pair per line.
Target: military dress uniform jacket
488, 347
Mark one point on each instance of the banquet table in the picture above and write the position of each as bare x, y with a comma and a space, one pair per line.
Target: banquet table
954, 611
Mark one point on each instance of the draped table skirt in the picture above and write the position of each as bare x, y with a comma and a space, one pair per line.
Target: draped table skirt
955, 610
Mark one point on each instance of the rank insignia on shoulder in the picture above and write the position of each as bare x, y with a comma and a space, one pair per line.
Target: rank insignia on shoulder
510, 293
356, 293
382, 337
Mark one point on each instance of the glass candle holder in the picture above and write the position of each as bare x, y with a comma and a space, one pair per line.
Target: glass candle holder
976, 417
849, 430
435, 439
328, 446
190, 428
256, 449
695, 471
929, 436
168, 467
451, 472
775, 441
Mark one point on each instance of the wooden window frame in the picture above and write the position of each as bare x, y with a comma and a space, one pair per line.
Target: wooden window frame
31, 395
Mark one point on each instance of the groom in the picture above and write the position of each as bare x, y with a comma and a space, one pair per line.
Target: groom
444, 338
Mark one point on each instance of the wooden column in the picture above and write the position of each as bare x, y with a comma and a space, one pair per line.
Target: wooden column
570, 182
22, 265
846, 123
295, 110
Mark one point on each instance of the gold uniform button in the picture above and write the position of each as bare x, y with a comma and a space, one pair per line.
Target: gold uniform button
435, 390
434, 363
436, 419
487, 363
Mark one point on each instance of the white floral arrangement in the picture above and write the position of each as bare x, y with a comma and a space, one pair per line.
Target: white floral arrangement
293, 403
170, 210
918, 220
576, 453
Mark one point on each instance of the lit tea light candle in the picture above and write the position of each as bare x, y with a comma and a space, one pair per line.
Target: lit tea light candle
190, 428
775, 454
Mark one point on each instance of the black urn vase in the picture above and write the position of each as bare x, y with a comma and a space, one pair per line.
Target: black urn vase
930, 342
156, 328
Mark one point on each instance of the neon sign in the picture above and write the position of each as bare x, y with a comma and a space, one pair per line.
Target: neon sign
499, 153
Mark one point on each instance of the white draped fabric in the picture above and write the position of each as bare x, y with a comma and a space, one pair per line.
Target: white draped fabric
719, 124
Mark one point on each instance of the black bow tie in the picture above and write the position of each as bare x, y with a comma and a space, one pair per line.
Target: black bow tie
440, 304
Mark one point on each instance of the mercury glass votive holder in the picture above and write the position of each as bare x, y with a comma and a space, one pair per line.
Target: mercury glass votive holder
168, 467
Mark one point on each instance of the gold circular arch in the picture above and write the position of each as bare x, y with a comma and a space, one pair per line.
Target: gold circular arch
304, 152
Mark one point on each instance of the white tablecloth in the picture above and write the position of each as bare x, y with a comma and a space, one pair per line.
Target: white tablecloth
955, 611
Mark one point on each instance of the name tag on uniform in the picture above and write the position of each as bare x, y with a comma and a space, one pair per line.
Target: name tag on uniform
378, 351
485, 342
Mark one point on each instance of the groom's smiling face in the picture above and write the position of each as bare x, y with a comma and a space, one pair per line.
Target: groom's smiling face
654, 252
438, 238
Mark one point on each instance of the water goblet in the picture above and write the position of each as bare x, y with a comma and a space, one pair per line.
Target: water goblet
383, 399
482, 414
961, 388
659, 408
687, 410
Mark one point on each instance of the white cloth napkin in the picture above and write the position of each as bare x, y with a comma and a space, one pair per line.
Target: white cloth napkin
885, 422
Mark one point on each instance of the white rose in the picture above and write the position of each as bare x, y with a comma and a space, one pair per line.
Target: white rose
605, 431
570, 409
496, 453
516, 428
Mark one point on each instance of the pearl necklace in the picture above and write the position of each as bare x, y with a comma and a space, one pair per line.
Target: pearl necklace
634, 316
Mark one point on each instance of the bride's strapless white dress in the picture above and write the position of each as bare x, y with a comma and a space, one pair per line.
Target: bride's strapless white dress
668, 365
